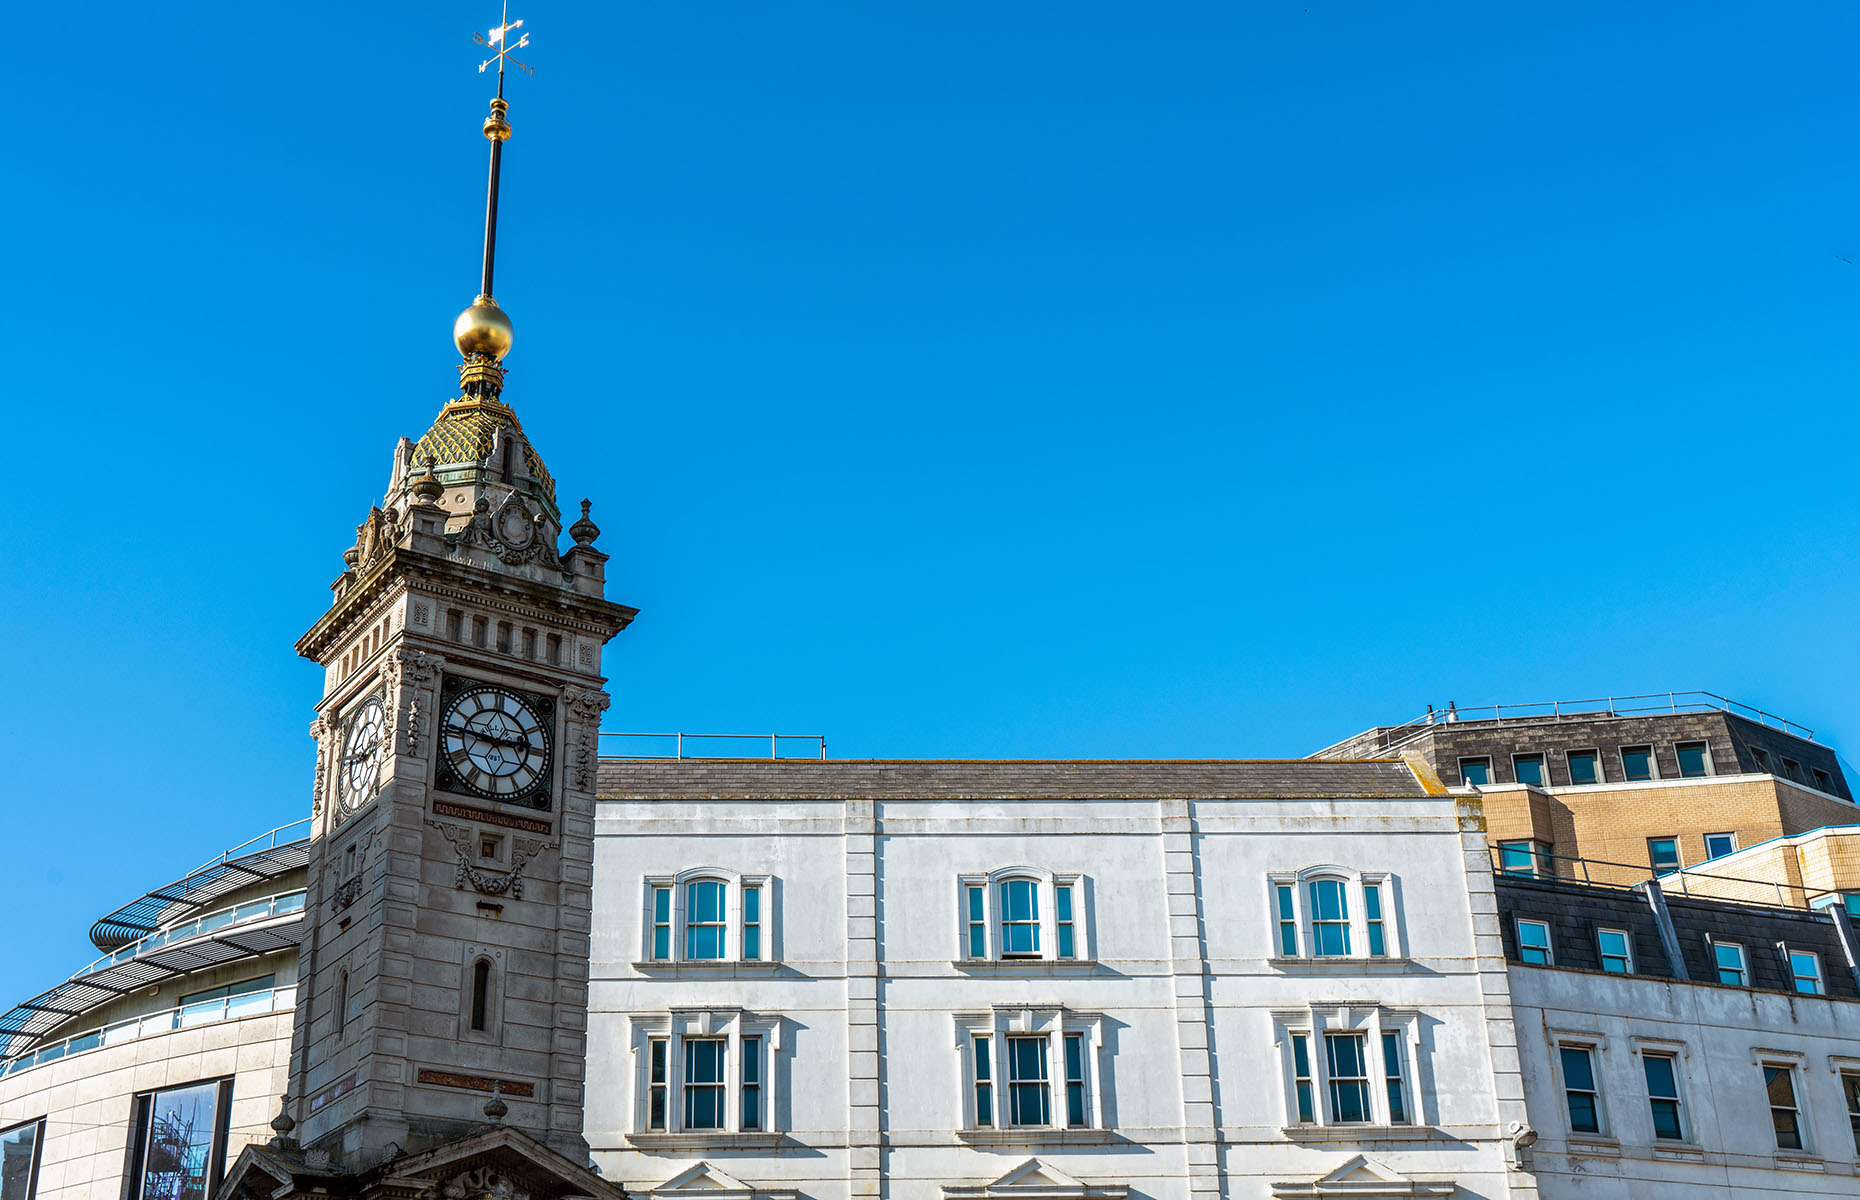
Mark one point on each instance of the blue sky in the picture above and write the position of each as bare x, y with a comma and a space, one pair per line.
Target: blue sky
952, 380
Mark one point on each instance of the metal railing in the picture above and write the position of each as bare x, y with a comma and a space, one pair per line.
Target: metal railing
693, 745
1587, 710
206, 1012
1541, 864
180, 931
296, 831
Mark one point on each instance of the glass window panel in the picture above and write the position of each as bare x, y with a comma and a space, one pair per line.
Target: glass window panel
1349, 1078
1391, 1073
1582, 767
661, 923
1530, 768
1637, 761
1691, 759
752, 1083
1020, 917
1780, 1083
1027, 1096
1805, 968
1717, 845
752, 924
704, 925
1288, 924
19, 1155
984, 1087
704, 1083
1075, 1080
1615, 955
1663, 853
1534, 943
1579, 1089
1850, 1091
655, 1118
1330, 918
1476, 771
1301, 1074
1062, 916
1663, 1095
1730, 959
177, 1143
978, 927
1372, 916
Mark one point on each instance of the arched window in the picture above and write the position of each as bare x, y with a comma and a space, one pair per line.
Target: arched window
708, 916
1334, 912
480, 995
1021, 914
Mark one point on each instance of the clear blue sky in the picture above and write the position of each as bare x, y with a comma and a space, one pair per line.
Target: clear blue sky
1094, 379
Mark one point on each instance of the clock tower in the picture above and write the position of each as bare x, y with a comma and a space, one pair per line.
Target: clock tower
444, 971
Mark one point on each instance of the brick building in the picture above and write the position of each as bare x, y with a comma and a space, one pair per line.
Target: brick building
1627, 790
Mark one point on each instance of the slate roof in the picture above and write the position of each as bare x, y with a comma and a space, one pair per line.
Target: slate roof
1003, 779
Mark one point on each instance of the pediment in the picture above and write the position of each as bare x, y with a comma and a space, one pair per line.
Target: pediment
1035, 1180
702, 1181
1363, 1178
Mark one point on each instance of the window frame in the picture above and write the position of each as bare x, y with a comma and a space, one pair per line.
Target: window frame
141, 1130
37, 1124
1051, 933
1673, 1054
1595, 765
1679, 854
982, 1044
1823, 781
1549, 943
1360, 937
1717, 961
1543, 767
1849, 1077
1541, 859
1475, 758
1790, 1070
1731, 836
1790, 954
1653, 762
677, 928
1627, 950
675, 1030
1590, 1049
1375, 1025
1706, 770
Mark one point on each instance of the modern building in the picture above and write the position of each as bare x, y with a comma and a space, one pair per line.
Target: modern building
1677, 1046
1629, 786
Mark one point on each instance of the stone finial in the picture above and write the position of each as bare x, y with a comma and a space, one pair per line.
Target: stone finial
495, 1108
584, 531
427, 489
282, 1125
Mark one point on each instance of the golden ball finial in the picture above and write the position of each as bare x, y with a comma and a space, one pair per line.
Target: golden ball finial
482, 329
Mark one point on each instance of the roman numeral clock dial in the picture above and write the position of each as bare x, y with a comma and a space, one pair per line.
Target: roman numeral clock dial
495, 743
358, 772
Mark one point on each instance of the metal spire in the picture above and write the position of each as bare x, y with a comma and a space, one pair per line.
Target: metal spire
495, 127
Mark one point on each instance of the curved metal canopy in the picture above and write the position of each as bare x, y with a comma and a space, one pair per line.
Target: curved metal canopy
267, 856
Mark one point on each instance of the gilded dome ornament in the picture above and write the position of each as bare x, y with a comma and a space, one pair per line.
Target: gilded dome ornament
483, 329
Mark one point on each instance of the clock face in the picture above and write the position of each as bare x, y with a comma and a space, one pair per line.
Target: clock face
358, 773
495, 743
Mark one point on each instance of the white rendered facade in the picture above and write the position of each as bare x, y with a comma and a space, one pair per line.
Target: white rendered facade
1165, 1040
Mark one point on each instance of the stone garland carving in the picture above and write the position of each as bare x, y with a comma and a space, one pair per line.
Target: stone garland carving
413, 668
319, 729
585, 705
523, 850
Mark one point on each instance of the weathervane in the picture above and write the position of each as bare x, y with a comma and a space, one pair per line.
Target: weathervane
499, 40
482, 332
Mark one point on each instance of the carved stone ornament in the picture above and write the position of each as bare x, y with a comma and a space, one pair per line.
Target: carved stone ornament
479, 1183
523, 850
350, 890
413, 668
374, 537
320, 730
513, 533
585, 705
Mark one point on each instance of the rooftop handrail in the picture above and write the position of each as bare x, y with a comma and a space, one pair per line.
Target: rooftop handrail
271, 839
814, 745
1611, 706
1524, 871
185, 1016
280, 904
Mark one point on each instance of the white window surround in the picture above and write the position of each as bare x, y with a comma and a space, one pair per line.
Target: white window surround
1596, 1043
1796, 1062
1372, 1021
1394, 932
1054, 1022
1047, 884
733, 885
1681, 1054
731, 1025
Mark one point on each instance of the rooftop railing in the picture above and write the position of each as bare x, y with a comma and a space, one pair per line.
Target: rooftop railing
1648, 704
1520, 863
181, 931
296, 831
186, 1016
712, 745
